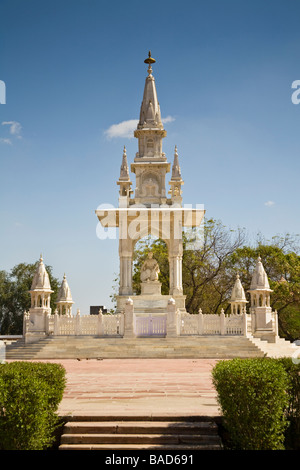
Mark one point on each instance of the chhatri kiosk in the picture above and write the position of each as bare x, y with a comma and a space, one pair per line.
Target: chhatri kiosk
150, 210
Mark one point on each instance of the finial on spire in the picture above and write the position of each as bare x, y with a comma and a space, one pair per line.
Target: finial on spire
149, 61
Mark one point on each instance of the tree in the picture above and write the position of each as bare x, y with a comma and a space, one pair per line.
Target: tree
207, 281
15, 298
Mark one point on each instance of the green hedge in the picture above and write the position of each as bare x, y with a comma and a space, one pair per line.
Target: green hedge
293, 409
30, 393
253, 397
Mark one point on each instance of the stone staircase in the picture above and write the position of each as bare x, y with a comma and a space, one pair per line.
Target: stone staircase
281, 348
127, 433
91, 347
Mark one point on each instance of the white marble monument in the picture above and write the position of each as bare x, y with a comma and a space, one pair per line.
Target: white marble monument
149, 210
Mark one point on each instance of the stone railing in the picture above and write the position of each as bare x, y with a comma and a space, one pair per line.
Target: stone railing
93, 325
208, 324
127, 324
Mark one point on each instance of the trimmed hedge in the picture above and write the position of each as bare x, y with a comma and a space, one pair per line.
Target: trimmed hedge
30, 393
293, 409
253, 397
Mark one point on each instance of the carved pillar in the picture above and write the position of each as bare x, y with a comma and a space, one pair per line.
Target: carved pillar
171, 319
129, 319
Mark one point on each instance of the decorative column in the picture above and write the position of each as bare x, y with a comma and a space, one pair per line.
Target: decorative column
125, 274
171, 319
129, 319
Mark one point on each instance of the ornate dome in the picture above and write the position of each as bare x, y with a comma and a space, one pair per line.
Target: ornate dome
64, 293
259, 278
238, 293
41, 278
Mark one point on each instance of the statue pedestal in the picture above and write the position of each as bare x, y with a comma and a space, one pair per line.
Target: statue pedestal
151, 288
145, 304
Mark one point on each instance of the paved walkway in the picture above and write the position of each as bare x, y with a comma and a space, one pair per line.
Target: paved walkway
139, 387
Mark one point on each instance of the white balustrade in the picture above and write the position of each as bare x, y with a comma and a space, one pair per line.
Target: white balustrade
209, 324
87, 325
114, 325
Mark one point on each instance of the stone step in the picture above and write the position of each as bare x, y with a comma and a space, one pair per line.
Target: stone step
68, 347
165, 439
281, 348
144, 427
135, 434
139, 447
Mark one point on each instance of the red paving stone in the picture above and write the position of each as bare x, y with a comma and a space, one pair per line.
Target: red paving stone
139, 387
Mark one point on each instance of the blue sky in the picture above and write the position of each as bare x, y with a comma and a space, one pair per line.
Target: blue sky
74, 68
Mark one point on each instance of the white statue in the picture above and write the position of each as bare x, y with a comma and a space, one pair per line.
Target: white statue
150, 269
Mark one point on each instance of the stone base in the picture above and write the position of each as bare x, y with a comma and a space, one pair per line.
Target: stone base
34, 336
151, 288
146, 304
266, 334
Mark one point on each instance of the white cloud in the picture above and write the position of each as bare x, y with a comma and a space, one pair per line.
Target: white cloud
269, 203
15, 127
5, 141
168, 119
125, 129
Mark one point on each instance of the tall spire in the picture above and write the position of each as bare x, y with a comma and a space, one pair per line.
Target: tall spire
150, 164
150, 116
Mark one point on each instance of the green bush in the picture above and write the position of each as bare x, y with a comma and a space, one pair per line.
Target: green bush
253, 397
293, 409
30, 393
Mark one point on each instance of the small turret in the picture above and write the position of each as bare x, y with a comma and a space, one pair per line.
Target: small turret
238, 298
260, 287
64, 298
40, 288
176, 180
124, 182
